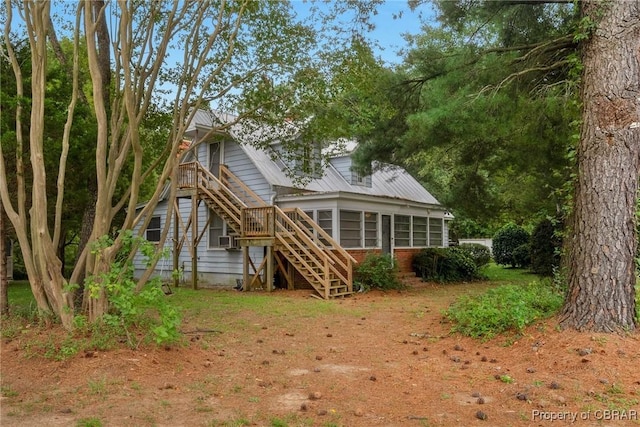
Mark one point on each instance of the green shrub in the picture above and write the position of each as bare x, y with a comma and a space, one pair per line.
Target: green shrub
505, 241
480, 254
522, 256
545, 248
505, 308
451, 264
146, 309
379, 271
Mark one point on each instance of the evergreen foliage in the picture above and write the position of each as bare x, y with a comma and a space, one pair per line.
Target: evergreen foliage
545, 248
486, 130
480, 254
377, 271
505, 242
522, 255
451, 264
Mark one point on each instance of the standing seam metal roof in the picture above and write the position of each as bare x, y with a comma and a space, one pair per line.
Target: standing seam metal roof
390, 181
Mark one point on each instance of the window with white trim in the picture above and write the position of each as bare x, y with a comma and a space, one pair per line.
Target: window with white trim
420, 231
325, 221
308, 161
216, 229
370, 229
350, 229
435, 231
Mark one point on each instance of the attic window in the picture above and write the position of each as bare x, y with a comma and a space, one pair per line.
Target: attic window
357, 178
309, 160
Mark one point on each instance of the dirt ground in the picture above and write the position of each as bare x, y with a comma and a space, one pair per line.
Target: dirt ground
390, 362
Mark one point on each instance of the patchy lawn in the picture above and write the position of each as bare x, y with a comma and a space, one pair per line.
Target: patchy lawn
284, 359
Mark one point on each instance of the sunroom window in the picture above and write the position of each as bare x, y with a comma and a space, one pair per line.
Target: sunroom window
402, 230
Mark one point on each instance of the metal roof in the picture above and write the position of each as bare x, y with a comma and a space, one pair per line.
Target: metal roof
389, 181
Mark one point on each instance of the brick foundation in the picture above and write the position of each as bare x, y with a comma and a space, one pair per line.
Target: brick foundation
403, 256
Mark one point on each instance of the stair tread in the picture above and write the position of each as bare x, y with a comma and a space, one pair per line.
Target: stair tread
341, 294
309, 264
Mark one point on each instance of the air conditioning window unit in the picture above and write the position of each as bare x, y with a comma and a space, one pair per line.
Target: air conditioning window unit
228, 242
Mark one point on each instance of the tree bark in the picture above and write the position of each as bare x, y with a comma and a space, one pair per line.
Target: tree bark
602, 244
48, 266
4, 280
79, 272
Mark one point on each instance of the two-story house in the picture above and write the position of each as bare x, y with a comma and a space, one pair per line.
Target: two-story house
243, 218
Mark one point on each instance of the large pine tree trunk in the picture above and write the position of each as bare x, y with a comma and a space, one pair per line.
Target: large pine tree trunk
602, 246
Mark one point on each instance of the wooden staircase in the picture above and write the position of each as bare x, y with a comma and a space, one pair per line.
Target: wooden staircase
296, 238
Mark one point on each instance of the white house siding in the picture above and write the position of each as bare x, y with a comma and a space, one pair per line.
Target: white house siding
343, 166
216, 266
242, 166
164, 266
389, 191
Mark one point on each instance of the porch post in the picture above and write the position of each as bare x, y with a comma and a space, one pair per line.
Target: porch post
291, 275
194, 242
176, 236
269, 271
245, 268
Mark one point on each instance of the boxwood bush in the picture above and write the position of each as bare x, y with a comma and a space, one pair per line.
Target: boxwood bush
545, 248
379, 271
505, 242
444, 265
480, 254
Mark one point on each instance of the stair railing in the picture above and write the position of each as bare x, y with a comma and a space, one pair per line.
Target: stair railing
294, 229
341, 259
308, 243
194, 175
240, 189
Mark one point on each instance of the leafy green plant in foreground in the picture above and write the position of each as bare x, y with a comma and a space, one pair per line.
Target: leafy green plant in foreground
505, 308
378, 271
128, 307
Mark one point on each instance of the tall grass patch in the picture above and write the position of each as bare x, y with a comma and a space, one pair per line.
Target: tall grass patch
506, 308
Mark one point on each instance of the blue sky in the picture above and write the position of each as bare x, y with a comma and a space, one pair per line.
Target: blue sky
389, 31
393, 20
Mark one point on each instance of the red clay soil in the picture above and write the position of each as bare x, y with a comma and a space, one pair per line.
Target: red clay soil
394, 363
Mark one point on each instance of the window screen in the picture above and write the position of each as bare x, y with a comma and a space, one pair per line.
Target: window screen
402, 230
325, 221
350, 229
153, 229
420, 231
435, 232
370, 229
